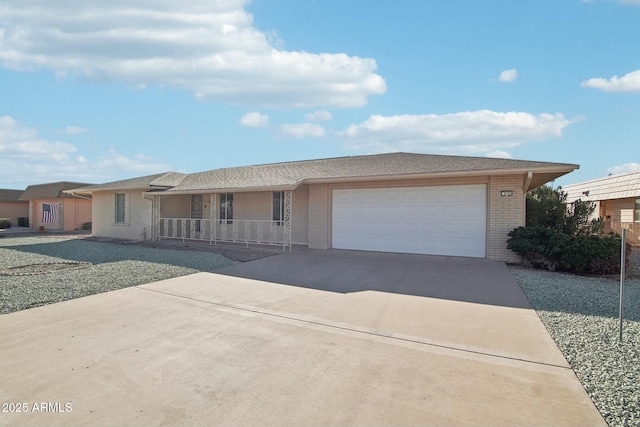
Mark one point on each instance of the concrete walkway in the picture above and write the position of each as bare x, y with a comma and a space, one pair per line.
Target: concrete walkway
214, 349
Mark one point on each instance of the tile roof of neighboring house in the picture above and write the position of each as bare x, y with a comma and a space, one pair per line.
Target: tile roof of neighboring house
11, 195
149, 182
380, 166
52, 190
288, 175
610, 187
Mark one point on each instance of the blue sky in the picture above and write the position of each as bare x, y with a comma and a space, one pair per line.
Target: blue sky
97, 91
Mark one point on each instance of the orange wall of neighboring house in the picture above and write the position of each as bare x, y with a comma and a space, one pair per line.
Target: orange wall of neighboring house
13, 211
71, 214
76, 213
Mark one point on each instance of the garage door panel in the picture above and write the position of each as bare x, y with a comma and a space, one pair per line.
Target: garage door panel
443, 220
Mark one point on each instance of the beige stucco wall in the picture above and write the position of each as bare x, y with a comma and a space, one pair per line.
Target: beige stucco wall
137, 223
178, 206
319, 195
14, 210
503, 213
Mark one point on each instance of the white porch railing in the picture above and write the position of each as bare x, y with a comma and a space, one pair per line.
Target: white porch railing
258, 232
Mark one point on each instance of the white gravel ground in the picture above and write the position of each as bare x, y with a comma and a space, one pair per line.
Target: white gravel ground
112, 266
581, 314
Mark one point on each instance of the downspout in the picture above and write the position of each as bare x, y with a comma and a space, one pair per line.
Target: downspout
525, 189
527, 182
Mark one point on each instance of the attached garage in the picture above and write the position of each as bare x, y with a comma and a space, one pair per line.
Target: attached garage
437, 220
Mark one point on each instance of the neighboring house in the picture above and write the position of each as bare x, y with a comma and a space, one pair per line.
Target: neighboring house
12, 207
399, 202
50, 207
617, 199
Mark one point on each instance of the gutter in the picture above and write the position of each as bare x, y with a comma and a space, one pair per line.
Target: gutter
77, 195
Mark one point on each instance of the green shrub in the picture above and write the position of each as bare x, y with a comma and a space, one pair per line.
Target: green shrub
553, 250
5, 222
86, 226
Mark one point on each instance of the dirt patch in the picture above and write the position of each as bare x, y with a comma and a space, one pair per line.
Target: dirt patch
42, 268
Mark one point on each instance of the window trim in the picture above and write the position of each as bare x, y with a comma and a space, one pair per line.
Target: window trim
120, 208
636, 212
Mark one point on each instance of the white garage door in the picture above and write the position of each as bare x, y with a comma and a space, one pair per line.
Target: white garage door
442, 220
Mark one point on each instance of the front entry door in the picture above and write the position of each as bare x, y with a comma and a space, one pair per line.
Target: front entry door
196, 209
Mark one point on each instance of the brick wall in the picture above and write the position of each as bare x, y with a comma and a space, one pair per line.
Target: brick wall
318, 216
137, 223
505, 214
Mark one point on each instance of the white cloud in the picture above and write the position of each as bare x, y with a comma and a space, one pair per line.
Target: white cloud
627, 167
467, 132
319, 116
254, 120
508, 75
74, 130
303, 130
499, 154
211, 49
628, 83
27, 158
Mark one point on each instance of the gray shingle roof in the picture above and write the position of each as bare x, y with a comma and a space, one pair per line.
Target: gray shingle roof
149, 182
11, 195
620, 186
53, 190
291, 174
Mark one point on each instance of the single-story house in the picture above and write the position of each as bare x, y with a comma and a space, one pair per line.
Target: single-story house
12, 207
398, 202
54, 209
617, 199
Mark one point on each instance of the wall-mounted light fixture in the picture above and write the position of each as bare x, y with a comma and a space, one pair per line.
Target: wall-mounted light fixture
506, 193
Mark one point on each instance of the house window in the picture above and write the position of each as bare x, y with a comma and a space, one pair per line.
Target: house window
226, 208
278, 207
120, 208
637, 211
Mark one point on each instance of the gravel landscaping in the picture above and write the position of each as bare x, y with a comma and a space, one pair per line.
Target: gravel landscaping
39, 270
581, 314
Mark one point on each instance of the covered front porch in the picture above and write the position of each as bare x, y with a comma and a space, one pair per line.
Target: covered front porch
249, 219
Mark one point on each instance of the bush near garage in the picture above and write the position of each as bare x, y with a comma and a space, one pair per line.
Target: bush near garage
553, 250
5, 222
561, 236
86, 226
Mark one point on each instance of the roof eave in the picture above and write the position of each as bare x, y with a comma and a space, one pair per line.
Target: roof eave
555, 171
286, 187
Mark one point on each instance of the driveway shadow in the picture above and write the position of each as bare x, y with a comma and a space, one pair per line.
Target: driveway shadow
101, 252
461, 279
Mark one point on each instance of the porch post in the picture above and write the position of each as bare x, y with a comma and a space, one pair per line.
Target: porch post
288, 195
155, 218
213, 214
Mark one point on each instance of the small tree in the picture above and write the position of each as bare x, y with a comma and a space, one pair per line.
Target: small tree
548, 208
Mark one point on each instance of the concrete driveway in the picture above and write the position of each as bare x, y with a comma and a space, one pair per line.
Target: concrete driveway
361, 339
